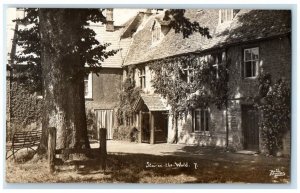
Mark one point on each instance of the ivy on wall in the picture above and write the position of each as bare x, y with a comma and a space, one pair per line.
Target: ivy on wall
275, 105
207, 84
25, 107
189, 82
127, 97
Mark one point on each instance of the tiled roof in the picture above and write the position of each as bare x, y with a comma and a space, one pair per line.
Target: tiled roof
247, 25
113, 38
153, 102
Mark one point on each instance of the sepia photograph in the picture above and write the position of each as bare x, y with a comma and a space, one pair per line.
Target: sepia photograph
148, 95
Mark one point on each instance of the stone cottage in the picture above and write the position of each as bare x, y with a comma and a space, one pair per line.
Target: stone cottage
249, 42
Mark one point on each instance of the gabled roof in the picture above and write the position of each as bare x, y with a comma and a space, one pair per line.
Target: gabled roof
153, 103
116, 43
247, 25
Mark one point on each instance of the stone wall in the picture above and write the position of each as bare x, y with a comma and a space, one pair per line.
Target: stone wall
275, 58
216, 136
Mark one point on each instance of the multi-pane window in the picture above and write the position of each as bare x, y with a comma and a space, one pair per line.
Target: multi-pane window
225, 15
216, 60
188, 74
156, 33
88, 86
200, 120
142, 77
250, 63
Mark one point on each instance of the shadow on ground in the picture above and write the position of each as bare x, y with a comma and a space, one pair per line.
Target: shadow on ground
218, 167
187, 165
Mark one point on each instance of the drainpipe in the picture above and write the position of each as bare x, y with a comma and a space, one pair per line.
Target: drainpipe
226, 105
227, 125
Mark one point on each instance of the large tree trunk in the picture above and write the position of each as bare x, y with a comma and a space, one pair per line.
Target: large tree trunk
62, 79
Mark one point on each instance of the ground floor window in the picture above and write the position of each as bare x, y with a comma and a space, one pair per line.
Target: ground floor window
200, 120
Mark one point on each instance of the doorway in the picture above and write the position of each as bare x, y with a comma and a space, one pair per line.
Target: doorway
250, 127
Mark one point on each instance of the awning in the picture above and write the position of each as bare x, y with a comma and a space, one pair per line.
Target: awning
153, 103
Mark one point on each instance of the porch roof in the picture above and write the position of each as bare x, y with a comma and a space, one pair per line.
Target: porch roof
153, 103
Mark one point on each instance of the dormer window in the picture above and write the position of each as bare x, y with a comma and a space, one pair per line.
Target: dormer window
225, 15
156, 32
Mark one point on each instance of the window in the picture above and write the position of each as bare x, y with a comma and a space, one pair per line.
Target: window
142, 77
200, 120
187, 73
156, 32
88, 86
216, 60
225, 15
250, 64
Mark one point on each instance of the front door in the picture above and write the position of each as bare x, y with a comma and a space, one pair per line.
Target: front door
145, 127
250, 127
160, 126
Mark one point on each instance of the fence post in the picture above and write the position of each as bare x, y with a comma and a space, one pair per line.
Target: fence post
51, 148
103, 152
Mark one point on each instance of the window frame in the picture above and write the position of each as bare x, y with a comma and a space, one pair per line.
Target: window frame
254, 62
89, 81
214, 57
204, 120
142, 77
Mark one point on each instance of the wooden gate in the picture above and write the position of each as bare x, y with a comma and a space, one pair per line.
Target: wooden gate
250, 127
105, 119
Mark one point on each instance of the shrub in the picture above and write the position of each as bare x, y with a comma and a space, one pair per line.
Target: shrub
91, 125
126, 133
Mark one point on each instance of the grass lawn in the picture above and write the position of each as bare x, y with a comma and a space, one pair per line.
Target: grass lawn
142, 168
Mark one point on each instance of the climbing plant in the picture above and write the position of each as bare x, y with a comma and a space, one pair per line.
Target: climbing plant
275, 106
206, 84
188, 82
127, 97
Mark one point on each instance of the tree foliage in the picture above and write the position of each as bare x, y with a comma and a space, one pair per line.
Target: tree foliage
182, 24
91, 52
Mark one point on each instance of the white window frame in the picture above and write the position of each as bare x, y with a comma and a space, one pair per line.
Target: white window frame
90, 86
217, 63
254, 62
205, 125
142, 77
189, 72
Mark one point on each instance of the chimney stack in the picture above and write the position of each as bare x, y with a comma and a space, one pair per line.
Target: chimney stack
109, 20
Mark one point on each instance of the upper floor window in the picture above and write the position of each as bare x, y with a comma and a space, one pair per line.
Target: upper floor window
88, 86
251, 62
188, 74
200, 120
142, 77
217, 59
225, 15
156, 32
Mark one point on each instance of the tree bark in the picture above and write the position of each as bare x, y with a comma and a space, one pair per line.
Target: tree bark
63, 76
